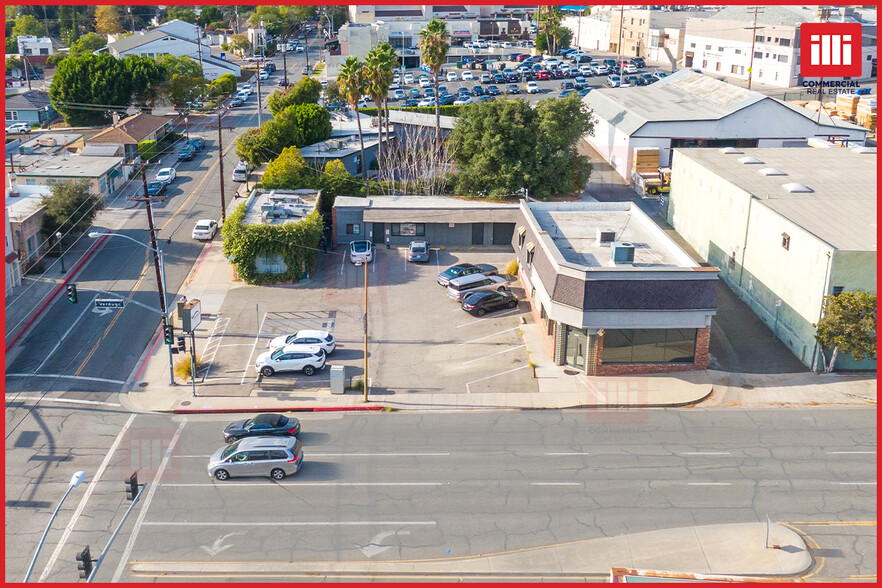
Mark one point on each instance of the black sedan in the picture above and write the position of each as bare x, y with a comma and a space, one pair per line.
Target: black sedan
262, 424
480, 303
446, 99
493, 90
512, 89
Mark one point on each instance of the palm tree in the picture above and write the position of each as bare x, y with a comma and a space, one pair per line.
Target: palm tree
352, 83
379, 65
435, 43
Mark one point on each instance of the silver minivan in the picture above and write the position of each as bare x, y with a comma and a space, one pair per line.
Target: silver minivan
458, 288
275, 457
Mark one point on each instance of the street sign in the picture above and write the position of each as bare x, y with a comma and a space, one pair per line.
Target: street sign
192, 316
109, 303
778, 302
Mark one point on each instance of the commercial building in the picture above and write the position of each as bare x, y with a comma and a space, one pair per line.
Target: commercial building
786, 227
688, 109
614, 294
31, 106
590, 33
726, 44
442, 220
103, 174
655, 35
24, 223
31, 46
365, 13
346, 149
132, 130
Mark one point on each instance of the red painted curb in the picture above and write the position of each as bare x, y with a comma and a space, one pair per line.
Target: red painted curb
57, 289
278, 409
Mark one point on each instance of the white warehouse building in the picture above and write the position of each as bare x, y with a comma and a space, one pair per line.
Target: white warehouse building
688, 109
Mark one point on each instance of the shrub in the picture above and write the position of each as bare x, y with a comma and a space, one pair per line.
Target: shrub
183, 369
511, 268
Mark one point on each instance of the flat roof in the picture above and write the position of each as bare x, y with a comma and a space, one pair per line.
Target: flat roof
28, 201
73, 166
573, 226
282, 206
61, 140
338, 147
841, 207
430, 209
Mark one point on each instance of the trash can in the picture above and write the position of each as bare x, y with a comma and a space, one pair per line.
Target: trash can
459, 64
338, 379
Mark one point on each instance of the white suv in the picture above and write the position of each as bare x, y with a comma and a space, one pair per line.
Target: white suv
18, 128
361, 251
291, 358
532, 88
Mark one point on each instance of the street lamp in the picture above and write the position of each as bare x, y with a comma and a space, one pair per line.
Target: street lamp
75, 481
60, 250
162, 290
187, 128
365, 325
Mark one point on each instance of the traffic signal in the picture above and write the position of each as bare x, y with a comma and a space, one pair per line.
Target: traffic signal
72, 293
85, 565
169, 333
132, 486
182, 344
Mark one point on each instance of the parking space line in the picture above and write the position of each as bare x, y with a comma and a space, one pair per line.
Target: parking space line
154, 484
222, 325
253, 347
70, 400
265, 484
569, 453
488, 336
493, 354
493, 376
482, 320
556, 483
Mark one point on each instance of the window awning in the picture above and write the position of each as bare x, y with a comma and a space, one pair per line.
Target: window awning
530, 247
115, 173
522, 231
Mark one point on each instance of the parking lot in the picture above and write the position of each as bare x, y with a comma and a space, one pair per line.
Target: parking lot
420, 341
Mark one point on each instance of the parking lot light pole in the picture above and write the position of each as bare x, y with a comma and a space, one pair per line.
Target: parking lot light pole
75, 481
163, 303
60, 250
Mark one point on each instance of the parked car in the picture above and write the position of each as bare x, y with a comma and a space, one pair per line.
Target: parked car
323, 339
465, 269
462, 101
263, 75
411, 102
197, 143
485, 78
532, 88
418, 251
425, 82
480, 303
462, 91
361, 251
659, 75
543, 74
205, 229
247, 88
414, 93
493, 90
425, 102
613, 81
478, 91
600, 69
430, 93
236, 102
565, 93
584, 91
241, 171
399, 95
580, 82
186, 153
512, 89
446, 99
630, 81
458, 288
275, 457
291, 358
166, 175
451, 76
566, 85
467, 75
155, 188
638, 61
498, 78
408, 78
262, 425
18, 128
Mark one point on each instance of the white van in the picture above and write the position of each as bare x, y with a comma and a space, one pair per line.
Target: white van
240, 172
458, 288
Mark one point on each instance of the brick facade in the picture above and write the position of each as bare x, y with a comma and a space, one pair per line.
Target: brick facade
702, 344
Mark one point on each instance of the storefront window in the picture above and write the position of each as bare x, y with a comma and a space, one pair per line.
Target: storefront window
649, 346
408, 229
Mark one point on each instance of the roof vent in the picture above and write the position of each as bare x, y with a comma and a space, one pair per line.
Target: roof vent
730, 151
795, 187
864, 150
621, 252
748, 160
772, 171
606, 236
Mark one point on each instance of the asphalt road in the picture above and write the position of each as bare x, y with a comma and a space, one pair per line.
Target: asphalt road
407, 486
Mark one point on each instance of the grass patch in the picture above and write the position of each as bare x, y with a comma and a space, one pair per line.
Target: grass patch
182, 367
357, 385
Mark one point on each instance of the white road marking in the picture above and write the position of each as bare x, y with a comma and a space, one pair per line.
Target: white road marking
85, 378
709, 483
82, 505
569, 453
851, 452
349, 455
214, 344
66, 333
124, 560
233, 344
268, 484
285, 523
556, 483
493, 376
493, 354
856, 483
705, 453
343, 263
484, 320
70, 400
488, 336
253, 347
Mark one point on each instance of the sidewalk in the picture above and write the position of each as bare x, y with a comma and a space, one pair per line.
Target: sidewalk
733, 549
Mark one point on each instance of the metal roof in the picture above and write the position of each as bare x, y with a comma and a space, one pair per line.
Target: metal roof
430, 209
841, 207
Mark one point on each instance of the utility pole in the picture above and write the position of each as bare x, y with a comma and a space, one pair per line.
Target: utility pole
199, 43
160, 283
619, 46
258, 92
284, 60
24, 61
237, 19
132, 15
220, 157
306, 46
753, 29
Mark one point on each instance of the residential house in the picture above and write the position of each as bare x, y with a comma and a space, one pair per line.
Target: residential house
35, 49
24, 223
346, 149
786, 227
31, 106
132, 130
104, 175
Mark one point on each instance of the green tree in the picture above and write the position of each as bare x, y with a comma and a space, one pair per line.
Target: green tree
306, 91
66, 21
352, 83
70, 208
251, 148
182, 88
107, 20
228, 82
181, 13
286, 172
148, 150
379, 67
27, 24
276, 19
184, 66
303, 11
434, 44
299, 125
239, 44
560, 124
89, 79
146, 78
332, 93
209, 14
87, 44
336, 15
14, 63
848, 325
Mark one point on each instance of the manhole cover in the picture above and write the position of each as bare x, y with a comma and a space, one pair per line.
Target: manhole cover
747, 386
143, 384
185, 403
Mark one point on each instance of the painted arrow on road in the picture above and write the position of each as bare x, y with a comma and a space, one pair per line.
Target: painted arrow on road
374, 548
216, 547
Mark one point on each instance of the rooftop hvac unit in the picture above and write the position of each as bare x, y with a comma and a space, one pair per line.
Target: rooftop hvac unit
621, 252
606, 236
266, 207
265, 216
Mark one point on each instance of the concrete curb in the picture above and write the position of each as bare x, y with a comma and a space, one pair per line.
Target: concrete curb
664, 405
67, 278
277, 409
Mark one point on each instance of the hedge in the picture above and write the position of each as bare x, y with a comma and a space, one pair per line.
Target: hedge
296, 243
449, 110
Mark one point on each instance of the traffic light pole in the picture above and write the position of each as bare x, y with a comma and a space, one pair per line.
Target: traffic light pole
115, 533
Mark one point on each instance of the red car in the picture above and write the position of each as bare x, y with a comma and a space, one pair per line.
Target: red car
543, 75
521, 57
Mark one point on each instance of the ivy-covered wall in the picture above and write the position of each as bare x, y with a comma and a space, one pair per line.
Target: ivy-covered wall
296, 243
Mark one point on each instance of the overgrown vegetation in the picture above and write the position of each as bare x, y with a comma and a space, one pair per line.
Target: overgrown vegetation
849, 326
